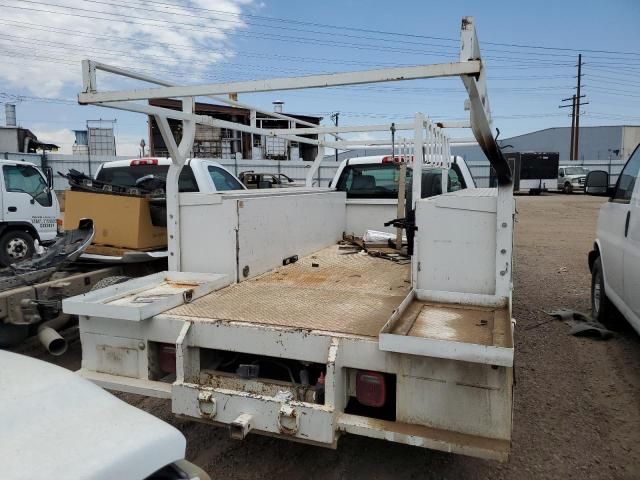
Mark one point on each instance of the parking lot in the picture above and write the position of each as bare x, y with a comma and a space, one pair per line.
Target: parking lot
577, 400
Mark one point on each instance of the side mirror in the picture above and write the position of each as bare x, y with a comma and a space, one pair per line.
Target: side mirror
597, 183
49, 173
562, 174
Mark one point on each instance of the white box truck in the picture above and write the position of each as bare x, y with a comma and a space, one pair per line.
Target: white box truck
263, 324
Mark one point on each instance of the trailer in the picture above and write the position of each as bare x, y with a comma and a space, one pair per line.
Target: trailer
264, 324
533, 172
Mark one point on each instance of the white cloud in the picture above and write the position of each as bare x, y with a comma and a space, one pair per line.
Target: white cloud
41, 51
64, 137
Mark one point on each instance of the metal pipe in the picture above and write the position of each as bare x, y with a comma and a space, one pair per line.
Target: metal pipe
49, 337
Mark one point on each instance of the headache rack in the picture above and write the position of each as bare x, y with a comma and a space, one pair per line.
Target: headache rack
429, 135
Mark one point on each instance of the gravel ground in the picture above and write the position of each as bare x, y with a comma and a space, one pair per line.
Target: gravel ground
577, 400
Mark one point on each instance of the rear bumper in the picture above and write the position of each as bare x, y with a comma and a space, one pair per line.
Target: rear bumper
302, 422
447, 405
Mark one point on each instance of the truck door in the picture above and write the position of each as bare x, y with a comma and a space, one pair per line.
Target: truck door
614, 227
631, 254
27, 198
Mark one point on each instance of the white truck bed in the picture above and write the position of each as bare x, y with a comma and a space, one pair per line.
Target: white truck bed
346, 293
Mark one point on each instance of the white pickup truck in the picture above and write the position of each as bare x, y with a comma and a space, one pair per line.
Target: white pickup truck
264, 324
371, 185
198, 175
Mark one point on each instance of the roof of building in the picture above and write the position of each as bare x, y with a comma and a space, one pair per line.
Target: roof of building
567, 128
212, 108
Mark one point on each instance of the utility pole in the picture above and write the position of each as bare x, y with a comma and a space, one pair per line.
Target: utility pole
334, 117
576, 148
573, 122
575, 113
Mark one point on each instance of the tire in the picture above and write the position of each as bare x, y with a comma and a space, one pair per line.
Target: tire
601, 307
12, 335
567, 188
108, 281
15, 246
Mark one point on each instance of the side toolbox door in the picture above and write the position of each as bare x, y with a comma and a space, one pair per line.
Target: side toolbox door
631, 255
26, 198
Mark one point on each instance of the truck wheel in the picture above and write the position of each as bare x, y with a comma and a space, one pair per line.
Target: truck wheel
601, 306
15, 245
12, 335
108, 281
567, 188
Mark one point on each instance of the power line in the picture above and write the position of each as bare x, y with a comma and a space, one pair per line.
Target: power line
397, 34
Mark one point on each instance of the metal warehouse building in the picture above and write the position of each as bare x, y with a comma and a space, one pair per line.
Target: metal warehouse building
596, 143
601, 148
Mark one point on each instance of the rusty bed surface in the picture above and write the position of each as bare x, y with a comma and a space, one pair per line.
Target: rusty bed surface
345, 293
478, 325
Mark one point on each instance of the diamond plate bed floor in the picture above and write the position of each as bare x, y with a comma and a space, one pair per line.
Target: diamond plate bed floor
345, 293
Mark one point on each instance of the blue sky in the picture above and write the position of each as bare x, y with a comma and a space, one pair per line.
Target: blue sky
197, 41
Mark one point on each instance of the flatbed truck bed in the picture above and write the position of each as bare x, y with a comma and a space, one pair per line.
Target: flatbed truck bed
329, 291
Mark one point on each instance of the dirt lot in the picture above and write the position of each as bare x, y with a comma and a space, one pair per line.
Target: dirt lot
577, 400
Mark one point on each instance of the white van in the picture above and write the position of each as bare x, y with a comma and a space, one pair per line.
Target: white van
615, 259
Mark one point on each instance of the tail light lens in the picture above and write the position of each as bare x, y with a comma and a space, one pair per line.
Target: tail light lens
397, 159
167, 358
370, 388
144, 161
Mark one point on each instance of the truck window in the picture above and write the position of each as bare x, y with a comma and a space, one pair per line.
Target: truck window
370, 181
223, 180
381, 180
27, 179
127, 176
627, 180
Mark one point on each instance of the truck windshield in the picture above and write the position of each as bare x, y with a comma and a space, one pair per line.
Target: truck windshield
381, 180
575, 171
223, 180
127, 176
27, 179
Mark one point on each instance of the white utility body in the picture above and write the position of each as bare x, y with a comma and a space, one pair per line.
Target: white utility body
299, 338
29, 210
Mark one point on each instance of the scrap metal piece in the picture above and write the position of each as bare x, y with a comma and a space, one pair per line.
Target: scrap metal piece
582, 325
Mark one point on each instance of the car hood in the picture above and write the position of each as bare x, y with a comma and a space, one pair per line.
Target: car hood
56, 424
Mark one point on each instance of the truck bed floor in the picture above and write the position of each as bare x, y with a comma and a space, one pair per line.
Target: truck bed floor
345, 293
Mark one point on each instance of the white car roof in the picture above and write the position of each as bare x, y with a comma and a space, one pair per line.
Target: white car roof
56, 424
17, 162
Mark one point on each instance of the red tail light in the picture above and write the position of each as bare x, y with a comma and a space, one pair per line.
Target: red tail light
370, 388
144, 161
167, 358
397, 159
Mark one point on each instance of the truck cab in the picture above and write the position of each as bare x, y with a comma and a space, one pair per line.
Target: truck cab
615, 259
29, 209
198, 175
571, 178
371, 186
